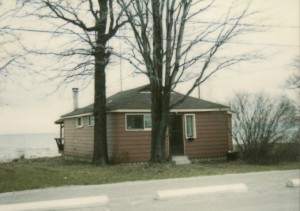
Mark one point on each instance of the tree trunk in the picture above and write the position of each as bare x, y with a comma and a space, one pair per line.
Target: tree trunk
160, 120
100, 156
159, 106
100, 134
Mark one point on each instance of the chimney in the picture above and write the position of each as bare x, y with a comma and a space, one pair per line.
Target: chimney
75, 98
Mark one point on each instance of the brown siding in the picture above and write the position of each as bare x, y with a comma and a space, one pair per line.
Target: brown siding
112, 134
130, 146
230, 144
212, 136
78, 141
123, 146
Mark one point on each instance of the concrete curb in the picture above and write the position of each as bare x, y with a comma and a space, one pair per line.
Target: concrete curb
165, 194
57, 204
293, 183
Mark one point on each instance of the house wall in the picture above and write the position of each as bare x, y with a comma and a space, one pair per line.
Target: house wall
78, 141
213, 135
112, 135
129, 146
123, 146
213, 138
230, 144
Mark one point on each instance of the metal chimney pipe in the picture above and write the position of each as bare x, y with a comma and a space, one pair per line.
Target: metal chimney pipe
75, 98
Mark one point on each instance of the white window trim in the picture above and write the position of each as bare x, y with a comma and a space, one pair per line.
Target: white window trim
88, 121
79, 126
135, 114
194, 126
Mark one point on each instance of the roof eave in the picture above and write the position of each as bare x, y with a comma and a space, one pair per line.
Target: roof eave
59, 121
145, 111
77, 115
172, 110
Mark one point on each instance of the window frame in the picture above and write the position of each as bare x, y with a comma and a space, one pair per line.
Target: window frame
193, 126
147, 128
138, 129
81, 121
89, 122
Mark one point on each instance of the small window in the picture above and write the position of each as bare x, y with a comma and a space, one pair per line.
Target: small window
190, 126
91, 120
79, 122
138, 122
147, 121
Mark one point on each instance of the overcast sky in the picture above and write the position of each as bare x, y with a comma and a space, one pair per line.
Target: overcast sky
29, 106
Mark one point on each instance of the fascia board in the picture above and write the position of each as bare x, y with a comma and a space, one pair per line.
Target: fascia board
148, 110
78, 115
172, 110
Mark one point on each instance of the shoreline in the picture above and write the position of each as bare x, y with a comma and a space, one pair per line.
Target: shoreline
27, 146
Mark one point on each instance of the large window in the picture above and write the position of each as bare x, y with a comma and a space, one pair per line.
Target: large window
138, 121
190, 126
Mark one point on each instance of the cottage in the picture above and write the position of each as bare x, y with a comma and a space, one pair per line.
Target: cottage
197, 129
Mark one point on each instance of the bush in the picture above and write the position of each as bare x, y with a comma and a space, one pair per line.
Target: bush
259, 124
286, 152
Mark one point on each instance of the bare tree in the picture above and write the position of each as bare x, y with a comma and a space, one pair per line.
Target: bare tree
171, 45
12, 56
86, 26
4, 62
260, 122
293, 81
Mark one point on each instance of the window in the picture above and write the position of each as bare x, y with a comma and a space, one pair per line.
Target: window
190, 126
138, 121
147, 121
91, 120
79, 122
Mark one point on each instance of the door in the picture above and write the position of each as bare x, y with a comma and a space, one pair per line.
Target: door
176, 135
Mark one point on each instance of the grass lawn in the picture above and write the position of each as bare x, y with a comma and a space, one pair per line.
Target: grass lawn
51, 172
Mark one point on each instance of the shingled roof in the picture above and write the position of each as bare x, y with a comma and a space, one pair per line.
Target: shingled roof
140, 99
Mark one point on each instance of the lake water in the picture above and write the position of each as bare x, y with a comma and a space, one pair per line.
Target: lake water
15, 146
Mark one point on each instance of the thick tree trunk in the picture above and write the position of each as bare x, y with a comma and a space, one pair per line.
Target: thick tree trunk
160, 119
100, 134
160, 105
100, 156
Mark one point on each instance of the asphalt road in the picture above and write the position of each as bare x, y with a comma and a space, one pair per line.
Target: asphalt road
251, 191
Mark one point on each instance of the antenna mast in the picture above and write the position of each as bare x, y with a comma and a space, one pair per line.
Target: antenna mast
121, 76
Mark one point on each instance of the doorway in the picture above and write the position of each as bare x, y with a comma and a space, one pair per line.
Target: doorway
176, 135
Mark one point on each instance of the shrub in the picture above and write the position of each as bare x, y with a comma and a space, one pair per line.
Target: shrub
286, 151
259, 123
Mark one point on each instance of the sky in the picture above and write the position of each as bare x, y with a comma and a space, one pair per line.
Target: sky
29, 104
